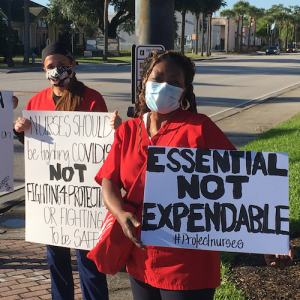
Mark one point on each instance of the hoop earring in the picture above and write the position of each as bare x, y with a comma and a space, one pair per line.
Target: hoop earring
187, 105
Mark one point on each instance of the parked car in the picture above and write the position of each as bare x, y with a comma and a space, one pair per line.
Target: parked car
291, 49
273, 50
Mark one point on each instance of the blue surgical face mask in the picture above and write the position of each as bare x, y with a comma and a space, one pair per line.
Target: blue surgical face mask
162, 97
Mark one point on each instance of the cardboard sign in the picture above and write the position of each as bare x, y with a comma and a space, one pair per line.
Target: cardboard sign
6, 142
231, 201
63, 153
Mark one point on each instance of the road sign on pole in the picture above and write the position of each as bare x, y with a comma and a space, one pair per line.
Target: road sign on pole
139, 53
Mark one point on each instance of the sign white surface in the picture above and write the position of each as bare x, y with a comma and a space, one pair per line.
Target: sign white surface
63, 153
231, 201
6, 142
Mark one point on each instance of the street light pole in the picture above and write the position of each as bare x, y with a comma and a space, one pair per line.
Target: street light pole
10, 62
154, 22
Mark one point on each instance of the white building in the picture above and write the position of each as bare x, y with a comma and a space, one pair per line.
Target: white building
218, 34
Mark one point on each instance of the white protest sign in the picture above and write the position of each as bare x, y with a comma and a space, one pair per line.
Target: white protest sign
6, 142
231, 201
63, 153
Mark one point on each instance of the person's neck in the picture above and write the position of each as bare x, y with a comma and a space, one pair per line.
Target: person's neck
157, 121
58, 91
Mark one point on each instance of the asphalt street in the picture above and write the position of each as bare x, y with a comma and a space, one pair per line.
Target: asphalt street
244, 95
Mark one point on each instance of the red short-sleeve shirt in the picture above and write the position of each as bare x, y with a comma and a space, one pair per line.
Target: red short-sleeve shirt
92, 101
164, 267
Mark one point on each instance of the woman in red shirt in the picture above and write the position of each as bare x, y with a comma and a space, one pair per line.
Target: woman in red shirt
67, 94
167, 91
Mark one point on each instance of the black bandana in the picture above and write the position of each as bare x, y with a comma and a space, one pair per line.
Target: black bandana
56, 48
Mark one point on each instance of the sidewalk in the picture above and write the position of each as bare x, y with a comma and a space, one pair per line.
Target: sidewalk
24, 274
23, 268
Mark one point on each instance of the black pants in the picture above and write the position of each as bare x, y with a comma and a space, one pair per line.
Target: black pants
144, 291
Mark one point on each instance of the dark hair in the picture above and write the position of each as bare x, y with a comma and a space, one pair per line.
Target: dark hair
188, 68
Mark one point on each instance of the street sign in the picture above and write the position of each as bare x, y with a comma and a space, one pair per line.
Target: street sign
141, 52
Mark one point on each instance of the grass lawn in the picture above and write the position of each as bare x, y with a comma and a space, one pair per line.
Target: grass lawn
285, 138
18, 62
125, 57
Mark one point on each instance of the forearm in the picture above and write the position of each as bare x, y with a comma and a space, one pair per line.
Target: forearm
112, 197
19, 136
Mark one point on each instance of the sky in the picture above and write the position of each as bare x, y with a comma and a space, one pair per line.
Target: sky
258, 3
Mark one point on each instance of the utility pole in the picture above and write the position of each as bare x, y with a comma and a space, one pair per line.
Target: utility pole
10, 62
154, 22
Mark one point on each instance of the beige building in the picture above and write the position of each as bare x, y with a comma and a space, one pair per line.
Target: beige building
40, 32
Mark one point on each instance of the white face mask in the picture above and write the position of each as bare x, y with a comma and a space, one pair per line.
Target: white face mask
162, 97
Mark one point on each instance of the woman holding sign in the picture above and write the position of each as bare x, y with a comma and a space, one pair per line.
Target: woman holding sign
67, 94
167, 91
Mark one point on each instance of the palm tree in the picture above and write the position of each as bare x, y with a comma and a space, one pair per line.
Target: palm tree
250, 12
287, 20
256, 14
295, 20
182, 6
278, 15
227, 13
105, 49
241, 8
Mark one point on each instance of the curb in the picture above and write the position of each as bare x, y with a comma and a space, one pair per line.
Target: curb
210, 58
8, 204
250, 103
23, 70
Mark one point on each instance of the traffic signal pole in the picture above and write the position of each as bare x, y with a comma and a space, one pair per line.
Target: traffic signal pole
154, 22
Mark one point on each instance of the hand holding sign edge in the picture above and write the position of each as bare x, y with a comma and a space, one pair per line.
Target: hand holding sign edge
279, 261
113, 201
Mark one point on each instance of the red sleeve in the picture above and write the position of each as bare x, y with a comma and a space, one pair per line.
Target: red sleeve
214, 137
112, 165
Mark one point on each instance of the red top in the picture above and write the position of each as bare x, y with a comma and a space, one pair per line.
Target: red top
92, 101
164, 267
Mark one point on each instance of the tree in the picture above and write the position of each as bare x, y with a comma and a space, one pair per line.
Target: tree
206, 8
211, 7
105, 31
183, 6
250, 12
241, 8
278, 14
89, 15
256, 14
4, 40
287, 20
26, 33
228, 14
295, 20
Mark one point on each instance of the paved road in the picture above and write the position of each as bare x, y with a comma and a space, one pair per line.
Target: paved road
219, 84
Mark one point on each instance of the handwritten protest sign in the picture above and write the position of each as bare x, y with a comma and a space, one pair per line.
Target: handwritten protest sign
6, 143
231, 201
63, 152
